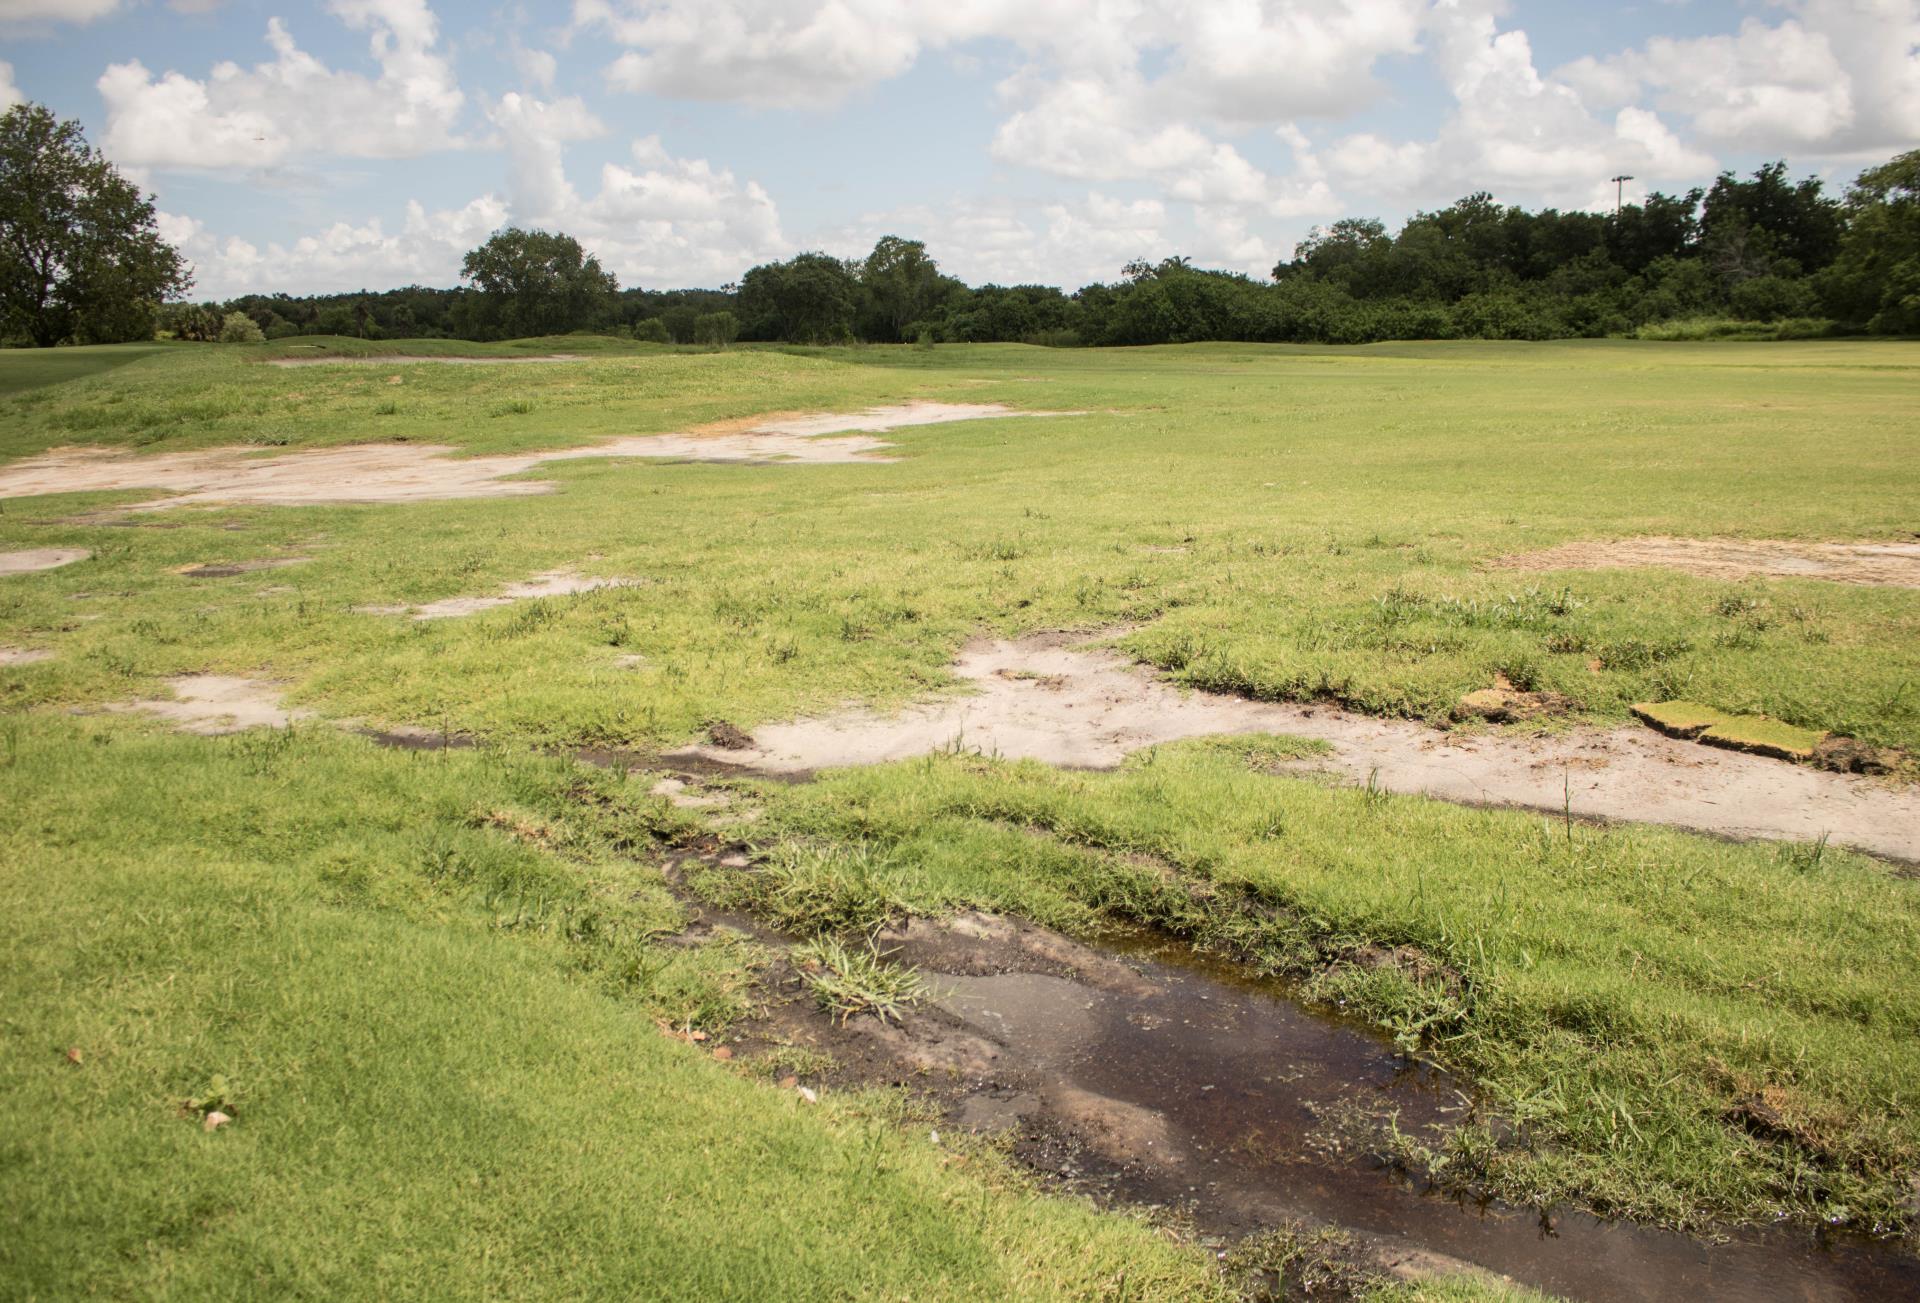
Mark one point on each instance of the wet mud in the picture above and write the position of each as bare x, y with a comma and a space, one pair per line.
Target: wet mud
1147, 1074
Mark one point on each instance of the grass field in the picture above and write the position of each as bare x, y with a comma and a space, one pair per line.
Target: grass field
440, 1028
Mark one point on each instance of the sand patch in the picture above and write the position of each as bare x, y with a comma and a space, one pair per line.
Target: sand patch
397, 359
1043, 699
40, 558
215, 704
386, 473
23, 656
553, 583
1894, 564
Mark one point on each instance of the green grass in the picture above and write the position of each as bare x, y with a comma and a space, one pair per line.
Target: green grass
1615, 991
432, 993
24, 369
434, 980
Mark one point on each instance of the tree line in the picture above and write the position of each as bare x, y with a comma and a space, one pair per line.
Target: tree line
80, 261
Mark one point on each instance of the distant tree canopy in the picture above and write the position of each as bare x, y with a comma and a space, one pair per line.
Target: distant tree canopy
535, 283
1764, 250
80, 258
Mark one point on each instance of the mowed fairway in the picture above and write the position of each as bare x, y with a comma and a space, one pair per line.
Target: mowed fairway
431, 985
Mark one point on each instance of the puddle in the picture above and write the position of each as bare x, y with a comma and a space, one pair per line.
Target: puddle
398, 359
1187, 1084
552, 583
1895, 564
40, 558
1043, 698
400, 472
23, 656
217, 704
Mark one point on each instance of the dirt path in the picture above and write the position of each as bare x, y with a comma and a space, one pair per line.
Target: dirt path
40, 558
387, 473
1044, 699
1896, 564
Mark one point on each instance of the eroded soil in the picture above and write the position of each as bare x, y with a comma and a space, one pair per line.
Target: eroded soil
400, 472
551, 583
40, 558
216, 704
1896, 564
23, 655
1150, 1075
1043, 698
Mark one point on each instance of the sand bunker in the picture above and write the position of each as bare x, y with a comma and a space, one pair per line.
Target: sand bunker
397, 359
553, 583
214, 704
40, 558
1896, 564
23, 656
1045, 699
382, 473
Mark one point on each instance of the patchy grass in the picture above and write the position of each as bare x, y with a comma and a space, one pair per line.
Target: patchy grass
854, 979
433, 982
1755, 733
426, 991
1618, 993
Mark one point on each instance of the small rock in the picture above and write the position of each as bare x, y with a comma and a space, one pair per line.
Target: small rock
722, 1053
807, 1093
73, 1055
214, 1121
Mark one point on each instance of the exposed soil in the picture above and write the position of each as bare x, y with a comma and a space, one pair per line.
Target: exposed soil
23, 655
1896, 564
40, 558
1044, 698
227, 569
400, 359
402, 472
552, 583
216, 704
1148, 1075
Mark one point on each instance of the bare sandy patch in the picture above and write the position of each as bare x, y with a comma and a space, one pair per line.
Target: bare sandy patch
1894, 564
23, 655
389, 473
552, 583
1045, 699
40, 558
216, 704
398, 359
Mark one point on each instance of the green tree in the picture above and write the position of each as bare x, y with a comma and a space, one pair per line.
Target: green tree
903, 285
1875, 279
239, 328
809, 299
537, 283
716, 329
80, 258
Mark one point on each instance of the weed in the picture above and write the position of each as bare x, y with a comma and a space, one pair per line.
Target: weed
849, 980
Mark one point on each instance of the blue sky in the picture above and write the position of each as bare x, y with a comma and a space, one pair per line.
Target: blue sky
341, 144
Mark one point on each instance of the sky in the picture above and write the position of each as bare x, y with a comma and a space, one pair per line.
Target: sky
332, 145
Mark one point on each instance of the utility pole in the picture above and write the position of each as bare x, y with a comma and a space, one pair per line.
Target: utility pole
1619, 190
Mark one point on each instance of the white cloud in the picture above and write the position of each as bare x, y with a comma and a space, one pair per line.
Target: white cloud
537, 68
1071, 242
9, 92
659, 221
65, 11
1836, 75
1511, 129
426, 250
294, 105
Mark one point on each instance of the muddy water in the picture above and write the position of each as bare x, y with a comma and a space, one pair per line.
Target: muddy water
1204, 1089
